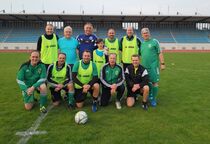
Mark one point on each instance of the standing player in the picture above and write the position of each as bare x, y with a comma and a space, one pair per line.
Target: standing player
47, 45
152, 60
59, 77
32, 76
130, 45
87, 41
112, 78
113, 44
68, 45
85, 79
137, 82
99, 55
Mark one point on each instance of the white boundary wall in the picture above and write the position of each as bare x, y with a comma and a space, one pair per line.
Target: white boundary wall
185, 46
18, 46
164, 46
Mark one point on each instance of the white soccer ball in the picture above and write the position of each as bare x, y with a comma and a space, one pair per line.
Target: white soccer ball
81, 117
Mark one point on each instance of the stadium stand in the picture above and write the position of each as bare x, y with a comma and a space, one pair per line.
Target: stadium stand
18, 35
19, 29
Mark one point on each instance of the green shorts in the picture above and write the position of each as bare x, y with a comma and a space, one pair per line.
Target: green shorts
154, 74
27, 99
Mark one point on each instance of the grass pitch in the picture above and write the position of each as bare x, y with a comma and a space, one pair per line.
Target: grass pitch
182, 114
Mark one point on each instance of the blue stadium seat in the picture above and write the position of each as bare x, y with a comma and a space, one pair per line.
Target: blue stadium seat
31, 35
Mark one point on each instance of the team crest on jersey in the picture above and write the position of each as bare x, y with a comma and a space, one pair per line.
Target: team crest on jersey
39, 70
116, 72
149, 45
90, 38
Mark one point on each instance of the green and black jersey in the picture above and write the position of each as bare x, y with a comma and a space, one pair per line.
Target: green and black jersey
112, 75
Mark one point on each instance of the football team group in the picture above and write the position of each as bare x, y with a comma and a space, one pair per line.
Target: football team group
73, 68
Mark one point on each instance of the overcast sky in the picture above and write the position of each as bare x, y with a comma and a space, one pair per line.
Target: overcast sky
133, 7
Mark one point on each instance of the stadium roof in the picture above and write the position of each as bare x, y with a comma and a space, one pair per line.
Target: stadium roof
104, 18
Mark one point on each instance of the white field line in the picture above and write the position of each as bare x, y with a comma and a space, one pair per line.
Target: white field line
25, 133
32, 130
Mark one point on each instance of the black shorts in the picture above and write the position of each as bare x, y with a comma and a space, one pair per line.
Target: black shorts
79, 96
134, 94
56, 96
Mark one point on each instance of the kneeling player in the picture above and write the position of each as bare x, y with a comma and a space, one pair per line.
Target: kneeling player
85, 77
137, 82
32, 76
59, 77
112, 78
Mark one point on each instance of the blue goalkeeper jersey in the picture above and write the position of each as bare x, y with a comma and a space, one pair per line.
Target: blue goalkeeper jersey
86, 42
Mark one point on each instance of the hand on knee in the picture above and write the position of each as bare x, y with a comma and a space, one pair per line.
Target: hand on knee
130, 102
28, 106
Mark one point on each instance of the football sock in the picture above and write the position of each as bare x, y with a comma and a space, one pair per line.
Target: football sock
71, 97
118, 98
150, 91
155, 91
43, 99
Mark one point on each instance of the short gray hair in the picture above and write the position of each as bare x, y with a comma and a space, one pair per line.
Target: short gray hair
113, 54
67, 27
145, 30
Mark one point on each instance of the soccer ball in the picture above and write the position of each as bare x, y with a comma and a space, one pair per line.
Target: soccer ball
81, 117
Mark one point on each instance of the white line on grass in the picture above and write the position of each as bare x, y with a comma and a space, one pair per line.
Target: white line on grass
32, 130
25, 133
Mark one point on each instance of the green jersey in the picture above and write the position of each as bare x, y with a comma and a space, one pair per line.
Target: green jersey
150, 51
29, 75
112, 75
